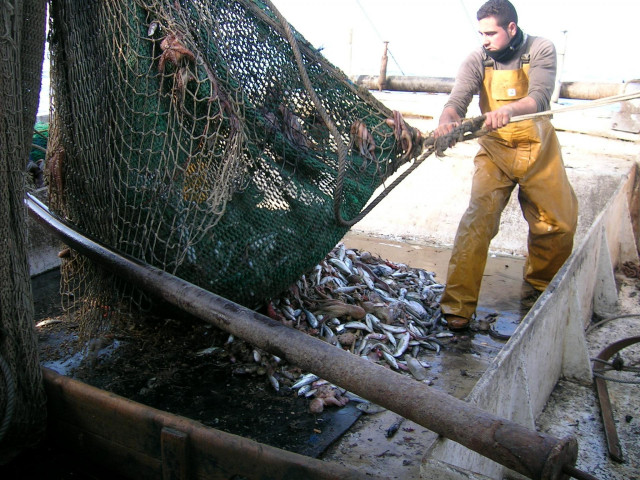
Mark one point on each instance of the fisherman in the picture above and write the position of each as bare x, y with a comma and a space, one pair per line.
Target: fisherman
514, 74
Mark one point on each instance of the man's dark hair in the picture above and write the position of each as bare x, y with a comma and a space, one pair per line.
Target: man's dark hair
502, 10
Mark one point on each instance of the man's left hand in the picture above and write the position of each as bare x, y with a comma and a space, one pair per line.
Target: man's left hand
498, 118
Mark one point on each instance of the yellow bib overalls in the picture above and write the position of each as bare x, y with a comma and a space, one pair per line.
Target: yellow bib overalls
527, 154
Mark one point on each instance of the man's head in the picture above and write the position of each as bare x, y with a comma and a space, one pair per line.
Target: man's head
502, 10
498, 24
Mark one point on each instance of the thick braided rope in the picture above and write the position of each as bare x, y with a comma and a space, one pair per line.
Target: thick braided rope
11, 397
342, 148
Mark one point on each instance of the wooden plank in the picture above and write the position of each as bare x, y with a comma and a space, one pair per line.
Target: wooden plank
175, 459
141, 442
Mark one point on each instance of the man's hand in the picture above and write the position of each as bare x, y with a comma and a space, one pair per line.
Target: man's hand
498, 118
445, 128
448, 121
503, 115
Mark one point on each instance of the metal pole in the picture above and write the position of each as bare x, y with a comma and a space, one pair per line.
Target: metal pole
533, 454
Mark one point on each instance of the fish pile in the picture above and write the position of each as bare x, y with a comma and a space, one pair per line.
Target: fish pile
384, 311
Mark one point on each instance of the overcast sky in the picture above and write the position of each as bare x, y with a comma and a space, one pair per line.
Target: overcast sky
431, 37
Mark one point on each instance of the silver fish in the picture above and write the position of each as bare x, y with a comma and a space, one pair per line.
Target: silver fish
366, 278
304, 389
306, 379
391, 338
444, 335
347, 289
311, 319
207, 351
358, 326
390, 359
370, 408
340, 265
416, 309
402, 344
393, 328
274, 383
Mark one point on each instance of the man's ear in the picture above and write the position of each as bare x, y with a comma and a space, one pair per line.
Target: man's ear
512, 28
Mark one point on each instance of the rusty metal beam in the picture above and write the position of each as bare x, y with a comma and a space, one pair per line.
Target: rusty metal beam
405, 83
533, 454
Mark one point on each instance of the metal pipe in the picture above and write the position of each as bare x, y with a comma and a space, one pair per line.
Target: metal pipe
533, 454
405, 83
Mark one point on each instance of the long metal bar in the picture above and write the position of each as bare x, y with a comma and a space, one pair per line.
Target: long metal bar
533, 454
406, 83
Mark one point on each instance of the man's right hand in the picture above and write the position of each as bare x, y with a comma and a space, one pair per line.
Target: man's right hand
448, 121
445, 128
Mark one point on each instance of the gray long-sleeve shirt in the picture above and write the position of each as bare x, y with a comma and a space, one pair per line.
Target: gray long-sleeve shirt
542, 74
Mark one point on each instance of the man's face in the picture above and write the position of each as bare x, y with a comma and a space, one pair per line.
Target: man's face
493, 36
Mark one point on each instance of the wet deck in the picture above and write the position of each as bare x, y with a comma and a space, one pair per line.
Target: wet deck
454, 371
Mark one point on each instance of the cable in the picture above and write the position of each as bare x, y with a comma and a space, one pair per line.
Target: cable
602, 322
379, 36
611, 379
571, 108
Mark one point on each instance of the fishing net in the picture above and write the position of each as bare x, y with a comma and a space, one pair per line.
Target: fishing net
22, 397
185, 135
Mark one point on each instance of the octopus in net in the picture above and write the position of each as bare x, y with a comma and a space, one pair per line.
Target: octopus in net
55, 172
177, 54
363, 142
409, 139
292, 128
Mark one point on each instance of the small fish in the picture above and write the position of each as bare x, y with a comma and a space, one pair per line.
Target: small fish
257, 357
358, 326
45, 323
390, 359
354, 398
304, 389
274, 382
370, 408
391, 431
403, 344
348, 289
340, 265
393, 328
153, 26
206, 351
307, 379
444, 335
311, 319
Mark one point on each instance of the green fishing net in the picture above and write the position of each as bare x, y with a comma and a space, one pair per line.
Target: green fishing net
183, 135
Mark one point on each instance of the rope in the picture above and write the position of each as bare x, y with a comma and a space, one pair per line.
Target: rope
470, 129
11, 397
466, 131
342, 148
572, 108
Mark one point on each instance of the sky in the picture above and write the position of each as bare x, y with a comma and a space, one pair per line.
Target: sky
599, 39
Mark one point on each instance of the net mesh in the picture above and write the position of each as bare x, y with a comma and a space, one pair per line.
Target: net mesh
22, 397
182, 135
